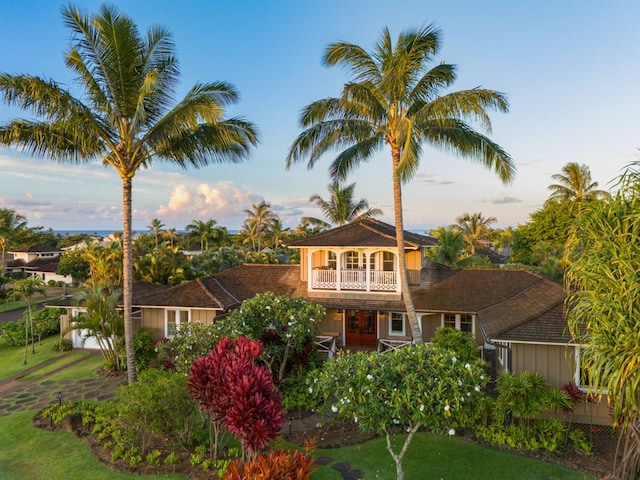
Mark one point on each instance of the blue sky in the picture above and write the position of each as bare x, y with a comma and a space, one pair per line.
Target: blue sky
570, 70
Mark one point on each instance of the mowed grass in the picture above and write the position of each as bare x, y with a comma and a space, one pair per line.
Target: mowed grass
27, 452
12, 358
441, 457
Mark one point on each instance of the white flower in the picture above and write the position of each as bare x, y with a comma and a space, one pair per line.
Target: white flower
369, 376
350, 389
468, 394
459, 383
452, 432
467, 366
334, 409
396, 421
268, 307
446, 408
481, 377
422, 408
310, 389
454, 359
477, 389
355, 419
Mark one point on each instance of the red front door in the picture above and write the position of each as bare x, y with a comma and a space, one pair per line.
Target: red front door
361, 327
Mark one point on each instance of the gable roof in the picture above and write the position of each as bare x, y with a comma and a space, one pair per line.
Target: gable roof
364, 233
204, 293
38, 248
548, 327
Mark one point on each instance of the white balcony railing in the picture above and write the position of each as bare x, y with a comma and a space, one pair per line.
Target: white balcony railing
379, 280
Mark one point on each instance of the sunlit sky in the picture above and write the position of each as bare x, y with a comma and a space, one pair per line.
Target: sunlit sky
570, 69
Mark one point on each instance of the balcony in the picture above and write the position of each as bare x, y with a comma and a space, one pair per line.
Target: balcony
358, 280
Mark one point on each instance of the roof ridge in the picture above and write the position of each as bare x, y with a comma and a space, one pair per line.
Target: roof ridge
211, 295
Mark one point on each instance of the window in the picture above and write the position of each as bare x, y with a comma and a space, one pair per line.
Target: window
502, 353
175, 320
352, 260
331, 260
396, 324
388, 262
460, 321
581, 375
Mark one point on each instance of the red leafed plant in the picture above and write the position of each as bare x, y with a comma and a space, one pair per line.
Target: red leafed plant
277, 464
239, 393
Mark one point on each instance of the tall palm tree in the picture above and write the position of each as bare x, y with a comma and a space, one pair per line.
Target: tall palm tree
474, 228
397, 100
172, 235
13, 227
126, 116
574, 187
259, 217
341, 208
278, 232
156, 227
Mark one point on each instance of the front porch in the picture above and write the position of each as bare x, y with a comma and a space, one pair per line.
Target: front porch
365, 280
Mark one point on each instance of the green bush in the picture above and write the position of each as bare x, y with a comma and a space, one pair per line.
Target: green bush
157, 408
62, 345
143, 346
13, 333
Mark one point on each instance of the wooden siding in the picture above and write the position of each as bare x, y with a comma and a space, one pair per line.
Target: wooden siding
430, 324
557, 365
414, 260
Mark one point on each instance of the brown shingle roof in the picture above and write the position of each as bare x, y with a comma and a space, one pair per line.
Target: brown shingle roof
550, 327
364, 233
248, 280
197, 293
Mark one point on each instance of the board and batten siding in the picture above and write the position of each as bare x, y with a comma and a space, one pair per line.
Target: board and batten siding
556, 363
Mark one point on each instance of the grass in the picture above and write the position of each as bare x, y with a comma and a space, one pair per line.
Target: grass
80, 368
5, 307
441, 457
28, 452
12, 358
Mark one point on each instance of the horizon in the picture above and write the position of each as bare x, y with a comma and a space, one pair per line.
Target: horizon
571, 90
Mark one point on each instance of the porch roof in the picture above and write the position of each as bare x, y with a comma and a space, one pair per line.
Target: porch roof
364, 233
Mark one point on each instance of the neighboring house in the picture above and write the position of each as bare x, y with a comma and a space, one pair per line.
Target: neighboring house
38, 260
516, 316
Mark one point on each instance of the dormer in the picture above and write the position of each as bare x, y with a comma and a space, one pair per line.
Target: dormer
359, 257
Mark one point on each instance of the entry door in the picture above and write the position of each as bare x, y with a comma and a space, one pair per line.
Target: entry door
361, 327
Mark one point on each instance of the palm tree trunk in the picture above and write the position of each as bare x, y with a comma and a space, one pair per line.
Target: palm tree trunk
416, 332
127, 274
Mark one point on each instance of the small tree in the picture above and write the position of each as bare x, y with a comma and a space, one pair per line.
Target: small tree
238, 393
72, 262
26, 289
285, 326
402, 391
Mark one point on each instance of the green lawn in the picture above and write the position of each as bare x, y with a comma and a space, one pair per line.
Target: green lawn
5, 307
12, 358
441, 457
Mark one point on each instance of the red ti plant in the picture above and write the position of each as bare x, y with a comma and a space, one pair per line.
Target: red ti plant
239, 393
574, 393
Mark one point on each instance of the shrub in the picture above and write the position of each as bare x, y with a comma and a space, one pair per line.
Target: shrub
62, 345
292, 465
144, 347
155, 408
462, 343
52, 283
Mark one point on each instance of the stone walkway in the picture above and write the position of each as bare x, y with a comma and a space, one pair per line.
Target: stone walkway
18, 394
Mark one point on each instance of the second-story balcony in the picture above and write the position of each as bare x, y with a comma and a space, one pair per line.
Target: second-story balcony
361, 280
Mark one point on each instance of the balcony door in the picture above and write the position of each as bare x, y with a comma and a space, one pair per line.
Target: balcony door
361, 328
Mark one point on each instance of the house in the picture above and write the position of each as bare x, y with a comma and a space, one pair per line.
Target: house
39, 260
517, 317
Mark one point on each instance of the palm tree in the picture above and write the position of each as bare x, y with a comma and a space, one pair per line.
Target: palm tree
156, 227
25, 289
341, 209
13, 226
450, 246
125, 116
474, 228
203, 231
172, 235
259, 217
278, 232
397, 99
574, 187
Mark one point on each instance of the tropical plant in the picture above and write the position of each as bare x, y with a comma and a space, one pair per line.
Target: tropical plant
105, 263
216, 260
287, 328
474, 228
574, 187
341, 208
204, 232
450, 247
396, 100
73, 262
156, 227
165, 265
13, 227
603, 261
171, 235
275, 464
259, 218
25, 289
231, 386
102, 321
277, 233
403, 390
127, 122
